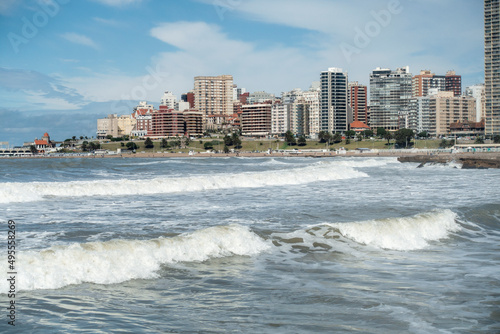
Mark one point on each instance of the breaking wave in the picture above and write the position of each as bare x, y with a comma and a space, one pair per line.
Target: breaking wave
35, 191
120, 260
401, 234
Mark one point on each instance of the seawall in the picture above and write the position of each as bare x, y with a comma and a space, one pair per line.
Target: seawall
467, 160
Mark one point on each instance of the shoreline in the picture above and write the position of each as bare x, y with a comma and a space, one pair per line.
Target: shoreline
436, 157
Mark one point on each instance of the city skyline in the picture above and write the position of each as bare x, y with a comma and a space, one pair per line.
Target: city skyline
88, 59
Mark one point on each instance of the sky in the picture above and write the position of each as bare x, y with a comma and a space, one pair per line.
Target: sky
65, 63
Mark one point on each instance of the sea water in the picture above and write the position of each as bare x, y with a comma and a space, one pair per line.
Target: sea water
250, 245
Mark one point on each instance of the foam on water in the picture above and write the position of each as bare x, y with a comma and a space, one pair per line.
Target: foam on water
35, 191
401, 234
120, 260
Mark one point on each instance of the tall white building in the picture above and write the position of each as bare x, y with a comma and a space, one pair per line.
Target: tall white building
280, 118
477, 92
168, 100
334, 115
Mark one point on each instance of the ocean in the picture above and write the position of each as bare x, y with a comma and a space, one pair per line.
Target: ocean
248, 245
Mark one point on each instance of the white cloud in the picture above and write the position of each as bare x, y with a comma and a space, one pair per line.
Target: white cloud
79, 39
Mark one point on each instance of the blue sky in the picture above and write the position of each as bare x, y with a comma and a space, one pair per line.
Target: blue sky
65, 63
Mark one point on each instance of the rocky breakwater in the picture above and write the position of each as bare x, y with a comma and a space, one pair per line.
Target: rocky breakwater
467, 160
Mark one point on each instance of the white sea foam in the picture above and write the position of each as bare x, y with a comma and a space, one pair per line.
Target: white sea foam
35, 191
117, 261
406, 233
403, 234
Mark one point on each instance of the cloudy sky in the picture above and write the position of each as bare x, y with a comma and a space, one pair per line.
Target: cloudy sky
65, 63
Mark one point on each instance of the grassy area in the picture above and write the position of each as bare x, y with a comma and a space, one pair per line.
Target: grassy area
264, 145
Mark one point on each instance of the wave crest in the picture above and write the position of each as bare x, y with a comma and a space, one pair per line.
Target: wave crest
117, 261
36, 191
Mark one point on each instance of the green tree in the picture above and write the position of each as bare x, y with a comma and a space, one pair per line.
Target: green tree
85, 146
324, 137
423, 134
403, 137
94, 146
290, 138
388, 136
132, 146
228, 140
446, 143
236, 140
148, 143
479, 140
226, 149
302, 141
381, 132
350, 134
496, 139
360, 137
33, 149
368, 133
164, 143
187, 141
208, 145
109, 137
337, 138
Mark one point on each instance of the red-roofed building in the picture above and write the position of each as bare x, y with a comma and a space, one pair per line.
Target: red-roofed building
358, 126
44, 143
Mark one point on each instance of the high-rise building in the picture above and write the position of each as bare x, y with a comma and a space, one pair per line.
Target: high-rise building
168, 100
280, 118
256, 119
299, 117
311, 99
358, 97
477, 92
390, 95
451, 109
333, 101
492, 65
213, 95
453, 83
423, 82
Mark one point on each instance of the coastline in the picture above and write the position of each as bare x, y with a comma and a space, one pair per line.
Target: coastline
468, 159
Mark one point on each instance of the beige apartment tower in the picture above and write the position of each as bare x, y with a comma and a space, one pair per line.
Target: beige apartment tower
213, 95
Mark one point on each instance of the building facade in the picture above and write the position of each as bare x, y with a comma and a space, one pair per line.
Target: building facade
333, 101
477, 92
116, 126
358, 101
450, 109
213, 95
311, 99
492, 66
453, 83
390, 95
423, 82
143, 115
256, 119
280, 118
169, 100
